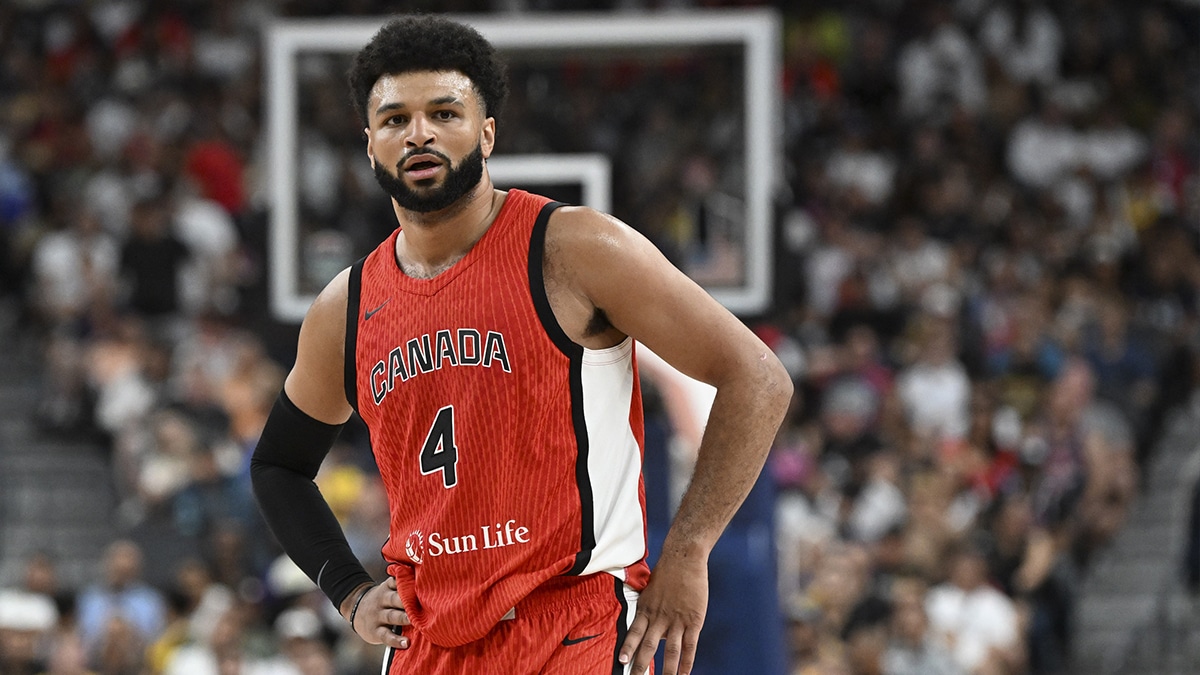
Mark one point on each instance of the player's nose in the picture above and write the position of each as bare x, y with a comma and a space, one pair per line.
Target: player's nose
420, 131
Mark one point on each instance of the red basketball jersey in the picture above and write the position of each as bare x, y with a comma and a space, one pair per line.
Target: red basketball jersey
509, 453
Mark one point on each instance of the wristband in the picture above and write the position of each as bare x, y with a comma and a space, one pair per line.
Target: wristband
354, 609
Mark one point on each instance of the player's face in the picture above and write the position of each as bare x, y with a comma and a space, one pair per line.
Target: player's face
427, 138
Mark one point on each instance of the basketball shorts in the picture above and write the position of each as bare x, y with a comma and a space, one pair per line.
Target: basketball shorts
566, 626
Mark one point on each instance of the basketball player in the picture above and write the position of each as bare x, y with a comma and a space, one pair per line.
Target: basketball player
488, 345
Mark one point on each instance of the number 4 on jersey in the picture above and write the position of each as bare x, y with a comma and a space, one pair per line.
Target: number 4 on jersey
439, 452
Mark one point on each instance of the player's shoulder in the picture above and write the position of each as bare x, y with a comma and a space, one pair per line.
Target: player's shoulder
329, 307
583, 231
582, 217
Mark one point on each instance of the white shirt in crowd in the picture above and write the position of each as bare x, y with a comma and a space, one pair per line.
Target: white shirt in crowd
936, 398
974, 622
942, 67
69, 266
1028, 53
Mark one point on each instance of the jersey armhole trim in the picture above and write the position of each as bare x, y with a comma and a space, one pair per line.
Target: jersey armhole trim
353, 299
537, 284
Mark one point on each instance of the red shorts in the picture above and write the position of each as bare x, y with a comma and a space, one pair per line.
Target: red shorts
566, 626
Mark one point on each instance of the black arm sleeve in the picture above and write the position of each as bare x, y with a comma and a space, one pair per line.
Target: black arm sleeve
286, 460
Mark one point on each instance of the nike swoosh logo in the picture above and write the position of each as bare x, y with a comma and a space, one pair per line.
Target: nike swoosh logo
567, 641
371, 312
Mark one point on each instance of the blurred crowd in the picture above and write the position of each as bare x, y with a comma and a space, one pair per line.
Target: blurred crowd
989, 294
987, 290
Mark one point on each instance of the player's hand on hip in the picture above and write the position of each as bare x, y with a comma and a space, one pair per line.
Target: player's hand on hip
379, 613
672, 608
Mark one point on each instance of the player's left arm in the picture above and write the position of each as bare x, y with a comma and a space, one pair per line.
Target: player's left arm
620, 273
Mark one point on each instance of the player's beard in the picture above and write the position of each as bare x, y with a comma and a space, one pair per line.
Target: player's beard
459, 180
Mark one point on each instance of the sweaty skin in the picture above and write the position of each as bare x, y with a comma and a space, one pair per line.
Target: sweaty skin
604, 281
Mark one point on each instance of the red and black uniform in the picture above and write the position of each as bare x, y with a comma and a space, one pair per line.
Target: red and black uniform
511, 455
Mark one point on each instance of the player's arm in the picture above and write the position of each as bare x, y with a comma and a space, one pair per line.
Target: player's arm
620, 273
297, 436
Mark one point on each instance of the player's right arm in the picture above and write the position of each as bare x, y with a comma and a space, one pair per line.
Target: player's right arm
297, 436
316, 383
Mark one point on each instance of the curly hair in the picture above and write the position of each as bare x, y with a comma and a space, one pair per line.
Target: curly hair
428, 42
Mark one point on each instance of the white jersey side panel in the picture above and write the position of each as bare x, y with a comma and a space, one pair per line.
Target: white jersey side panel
614, 459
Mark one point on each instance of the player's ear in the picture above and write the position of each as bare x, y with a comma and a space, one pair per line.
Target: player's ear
370, 150
487, 137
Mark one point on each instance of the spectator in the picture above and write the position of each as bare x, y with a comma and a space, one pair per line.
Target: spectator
865, 636
912, 648
1025, 358
1055, 445
214, 164
935, 389
207, 600
1043, 147
849, 411
152, 260
120, 609
917, 261
839, 582
27, 620
857, 167
861, 355
1010, 528
120, 648
304, 646
1112, 147
227, 651
1124, 367
153, 463
74, 268
1112, 481
1024, 36
940, 69
41, 578
211, 499
211, 235
1173, 154
880, 505
68, 657
804, 636
124, 375
174, 635
807, 511
975, 621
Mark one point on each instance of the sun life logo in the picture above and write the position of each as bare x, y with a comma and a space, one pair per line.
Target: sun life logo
414, 546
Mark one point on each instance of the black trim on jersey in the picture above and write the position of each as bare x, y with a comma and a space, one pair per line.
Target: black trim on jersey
622, 628
353, 299
537, 283
541, 303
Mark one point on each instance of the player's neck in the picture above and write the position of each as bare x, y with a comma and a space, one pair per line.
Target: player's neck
429, 243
